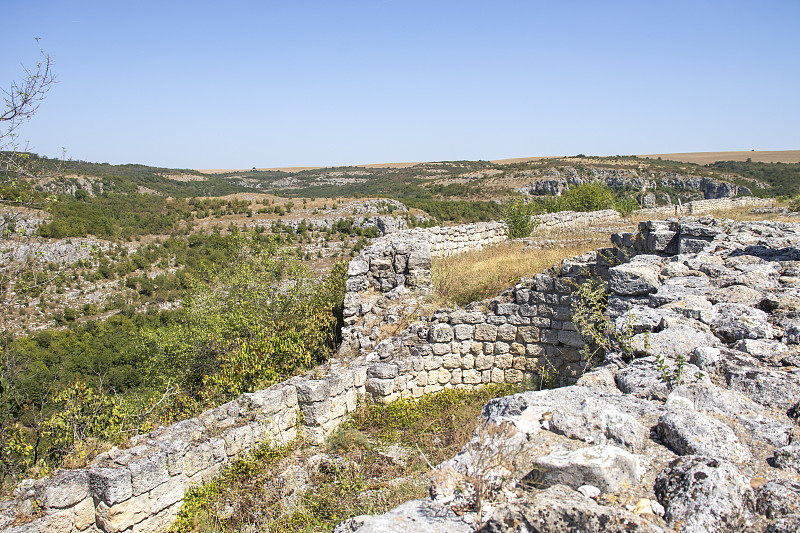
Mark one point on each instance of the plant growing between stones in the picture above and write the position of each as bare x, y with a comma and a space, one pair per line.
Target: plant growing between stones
589, 302
492, 453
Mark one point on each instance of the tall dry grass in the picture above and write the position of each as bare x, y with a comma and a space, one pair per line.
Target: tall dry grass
480, 274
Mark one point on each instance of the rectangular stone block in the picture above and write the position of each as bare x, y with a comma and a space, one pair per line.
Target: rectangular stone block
507, 308
197, 458
64, 489
451, 361
521, 296
540, 322
517, 320
562, 312
167, 494
503, 361
160, 521
441, 348
463, 331
84, 514
382, 371
317, 413
534, 350
507, 333
549, 336
148, 472
486, 332
543, 282
237, 440
565, 285
111, 485
471, 376
513, 376
571, 338
536, 298
528, 334
528, 310
123, 515
359, 376
484, 362
433, 362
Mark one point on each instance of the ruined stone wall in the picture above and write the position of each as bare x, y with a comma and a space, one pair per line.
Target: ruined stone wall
523, 333
575, 219
699, 207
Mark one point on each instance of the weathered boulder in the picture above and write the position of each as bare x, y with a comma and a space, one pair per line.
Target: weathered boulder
732, 322
633, 279
559, 509
701, 494
778, 498
688, 432
606, 467
417, 516
598, 422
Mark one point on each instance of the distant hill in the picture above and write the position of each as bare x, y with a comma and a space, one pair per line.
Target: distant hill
705, 158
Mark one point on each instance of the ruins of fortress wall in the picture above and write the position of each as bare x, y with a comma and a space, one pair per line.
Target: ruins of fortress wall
506, 339
698, 207
141, 488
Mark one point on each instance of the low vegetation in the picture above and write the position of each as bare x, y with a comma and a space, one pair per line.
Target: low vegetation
372, 464
252, 316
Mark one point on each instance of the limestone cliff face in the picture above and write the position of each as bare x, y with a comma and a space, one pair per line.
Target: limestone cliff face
556, 181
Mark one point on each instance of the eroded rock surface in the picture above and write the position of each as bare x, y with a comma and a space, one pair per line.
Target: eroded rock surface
695, 430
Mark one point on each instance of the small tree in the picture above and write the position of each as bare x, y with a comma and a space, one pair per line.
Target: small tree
518, 216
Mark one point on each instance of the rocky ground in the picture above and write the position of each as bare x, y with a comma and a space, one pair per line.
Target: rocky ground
690, 426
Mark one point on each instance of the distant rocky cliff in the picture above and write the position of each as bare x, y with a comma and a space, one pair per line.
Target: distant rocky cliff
555, 181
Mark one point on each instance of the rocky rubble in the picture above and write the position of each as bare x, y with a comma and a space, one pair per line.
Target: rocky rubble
695, 430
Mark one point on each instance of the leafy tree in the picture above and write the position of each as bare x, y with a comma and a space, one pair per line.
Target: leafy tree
518, 217
253, 321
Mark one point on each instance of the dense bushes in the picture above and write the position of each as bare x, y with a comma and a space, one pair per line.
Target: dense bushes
783, 178
252, 315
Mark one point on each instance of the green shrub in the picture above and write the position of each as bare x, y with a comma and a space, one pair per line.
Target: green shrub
518, 217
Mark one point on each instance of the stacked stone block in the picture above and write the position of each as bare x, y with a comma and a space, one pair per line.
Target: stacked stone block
141, 488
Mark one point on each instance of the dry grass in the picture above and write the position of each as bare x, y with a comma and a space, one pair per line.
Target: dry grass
481, 274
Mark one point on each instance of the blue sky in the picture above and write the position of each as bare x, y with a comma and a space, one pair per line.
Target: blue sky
239, 84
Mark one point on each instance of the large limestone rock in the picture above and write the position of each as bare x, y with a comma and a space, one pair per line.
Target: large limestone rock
606, 467
560, 509
701, 494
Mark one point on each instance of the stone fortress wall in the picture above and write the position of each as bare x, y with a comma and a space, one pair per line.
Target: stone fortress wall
506, 339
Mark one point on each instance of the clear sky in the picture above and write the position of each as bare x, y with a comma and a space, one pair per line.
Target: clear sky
197, 84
